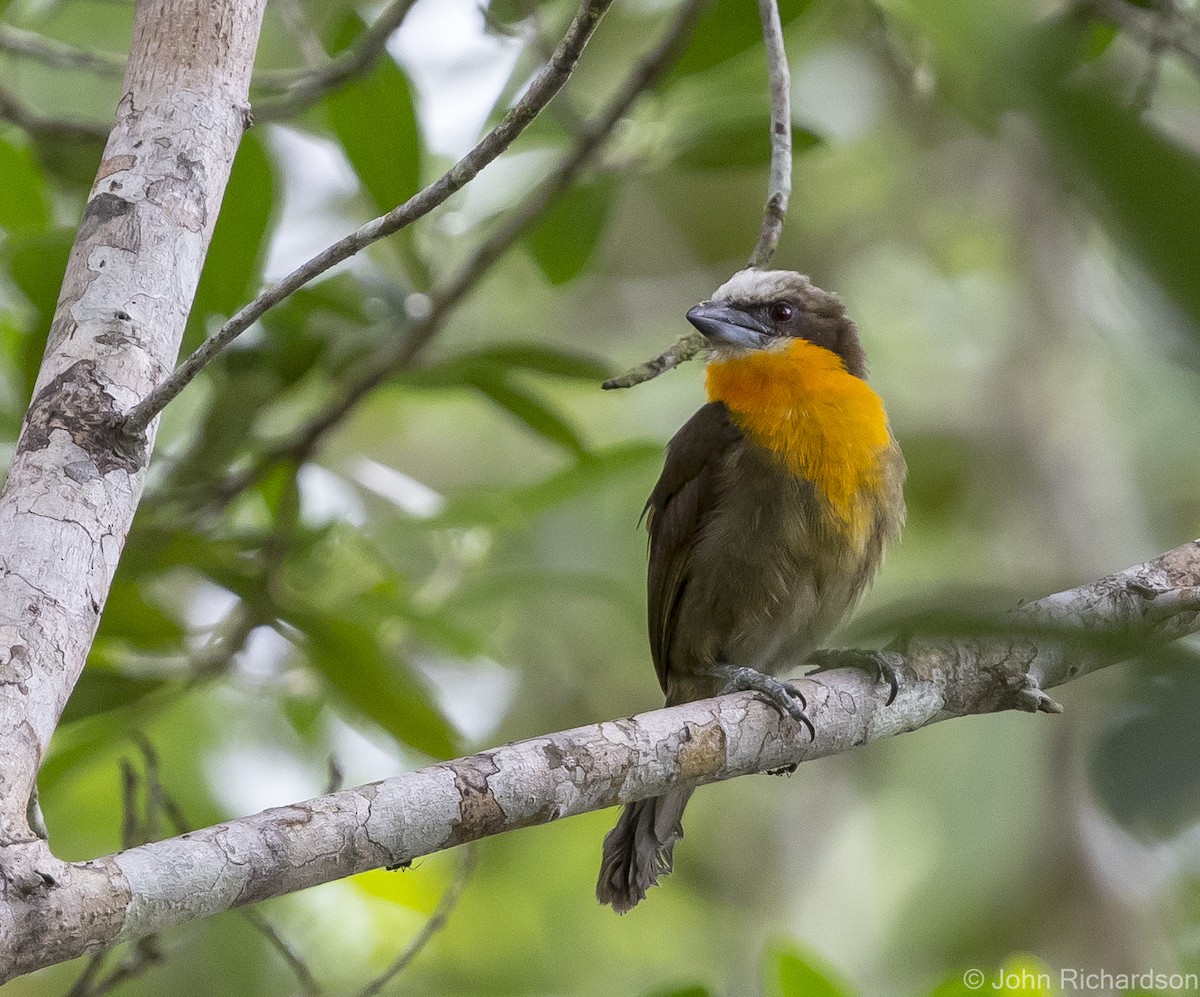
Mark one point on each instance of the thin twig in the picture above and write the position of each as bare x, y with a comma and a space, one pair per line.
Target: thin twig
144, 954
437, 921
174, 813
13, 110
682, 350
50, 51
87, 979
135, 830
130, 822
779, 184
336, 778
155, 794
779, 190
547, 83
304, 976
312, 86
1173, 31
443, 301
541, 44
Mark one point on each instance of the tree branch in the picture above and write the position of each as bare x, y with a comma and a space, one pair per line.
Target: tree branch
442, 301
545, 85
779, 190
1158, 30
51, 52
779, 183
73, 485
309, 984
13, 110
392, 822
437, 921
310, 87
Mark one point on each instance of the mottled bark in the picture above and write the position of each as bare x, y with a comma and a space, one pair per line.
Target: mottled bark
392, 822
75, 481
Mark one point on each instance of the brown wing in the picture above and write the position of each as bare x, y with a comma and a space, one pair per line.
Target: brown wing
686, 493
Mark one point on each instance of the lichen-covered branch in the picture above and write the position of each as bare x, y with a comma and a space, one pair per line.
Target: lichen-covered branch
682, 350
151, 887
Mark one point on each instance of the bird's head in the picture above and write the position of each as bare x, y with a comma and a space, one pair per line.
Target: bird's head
768, 309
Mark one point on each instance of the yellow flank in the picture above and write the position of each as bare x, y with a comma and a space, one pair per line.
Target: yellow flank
824, 424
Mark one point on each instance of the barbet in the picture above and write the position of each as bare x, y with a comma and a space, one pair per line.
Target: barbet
772, 514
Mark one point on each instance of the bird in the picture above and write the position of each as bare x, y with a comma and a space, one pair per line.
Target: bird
776, 503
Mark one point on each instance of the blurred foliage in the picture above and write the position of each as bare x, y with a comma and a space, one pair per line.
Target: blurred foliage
1007, 197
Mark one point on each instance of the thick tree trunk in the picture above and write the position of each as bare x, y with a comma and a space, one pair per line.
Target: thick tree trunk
75, 481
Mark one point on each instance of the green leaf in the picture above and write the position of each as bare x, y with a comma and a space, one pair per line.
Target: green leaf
792, 974
541, 359
1143, 767
566, 235
36, 263
728, 28
1146, 186
513, 508
349, 655
224, 428
131, 619
530, 410
389, 599
1100, 35
69, 159
23, 206
685, 991
722, 145
101, 690
375, 119
233, 267
496, 361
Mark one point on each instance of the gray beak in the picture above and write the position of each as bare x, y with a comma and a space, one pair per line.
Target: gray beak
724, 325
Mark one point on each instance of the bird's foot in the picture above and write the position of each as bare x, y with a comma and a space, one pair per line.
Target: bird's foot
784, 696
882, 666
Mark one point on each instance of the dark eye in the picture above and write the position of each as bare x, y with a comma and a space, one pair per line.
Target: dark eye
781, 311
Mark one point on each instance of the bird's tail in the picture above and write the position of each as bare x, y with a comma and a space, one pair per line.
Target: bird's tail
638, 850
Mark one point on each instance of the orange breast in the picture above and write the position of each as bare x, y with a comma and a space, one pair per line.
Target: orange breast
822, 423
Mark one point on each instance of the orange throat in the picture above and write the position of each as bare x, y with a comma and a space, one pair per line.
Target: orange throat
822, 423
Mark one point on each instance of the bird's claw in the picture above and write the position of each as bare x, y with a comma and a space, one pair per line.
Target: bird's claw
784, 696
882, 666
